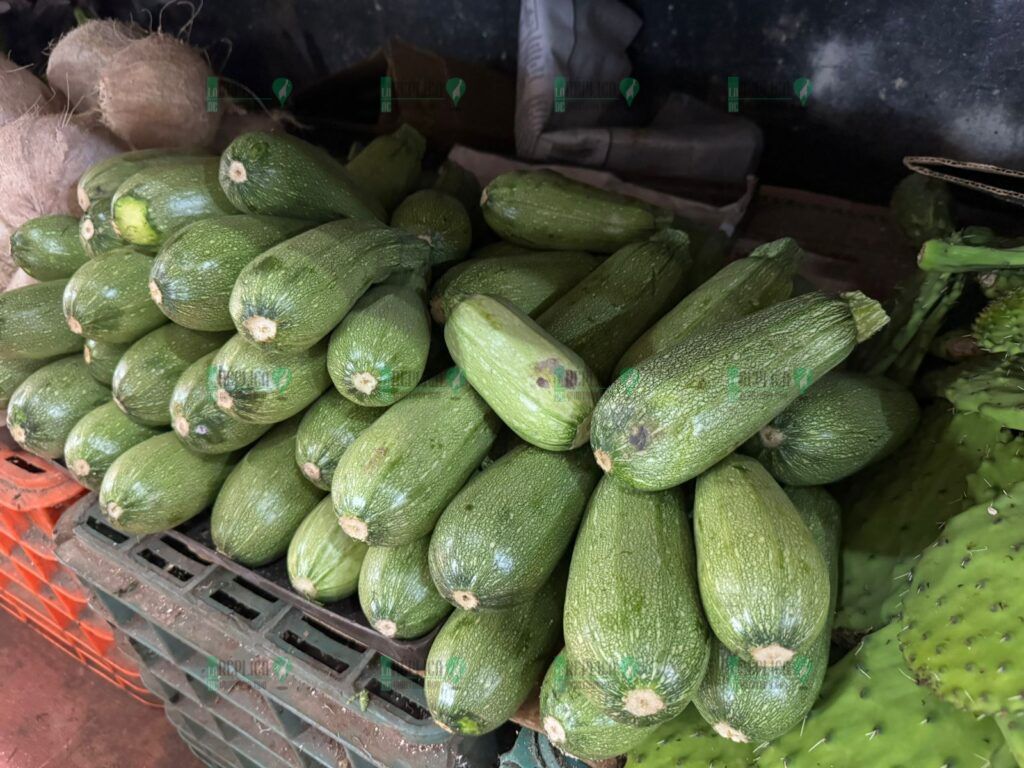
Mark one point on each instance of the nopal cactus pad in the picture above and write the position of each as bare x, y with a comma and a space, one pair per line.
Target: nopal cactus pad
994, 387
963, 620
1000, 326
999, 471
872, 713
689, 741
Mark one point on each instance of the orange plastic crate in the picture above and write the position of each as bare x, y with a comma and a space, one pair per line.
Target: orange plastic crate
38, 489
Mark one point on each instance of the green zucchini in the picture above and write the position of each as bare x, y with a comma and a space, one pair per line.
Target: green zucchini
394, 481
634, 629
42, 411
324, 562
96, 233
763, 580
107, 299
604, 313
193, 274
843, 423
102, 179
280, 175
501, 537
765, 277
709, 251
456, 181
578, 726
47, 247
159, 484
328, 428
264, 387
197, 420
683, 411
504, 248
32, 324
98, 438
483, 664
145, 375
390, 165
102, 358
752, 704
438, 219
294, 294
13, 372
263, 500
545, 210
396, 593
153, 204
529, 281
378, 352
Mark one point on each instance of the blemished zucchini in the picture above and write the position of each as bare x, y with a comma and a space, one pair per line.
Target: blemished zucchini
328, 428
529, 281
546, 210
394, 481
263, 500
294, 294
765, 277
97, 439
264, 387
107, 299
634, 628
102, 179
840, 425
752, 704
193, 274
483, 664
32, 324
604, 313
102, 358
438, 219
324, 562
155, 203
96, 233
575, 724
456, 181
539, 387
145, 375
47, 247
13, 372
683, 411
378, 352
159, 484
280, 175
396, 593
197, 420
389, 166
763, 580
47, 404
501, 537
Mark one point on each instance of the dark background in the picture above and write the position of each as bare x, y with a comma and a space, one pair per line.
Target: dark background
888, 78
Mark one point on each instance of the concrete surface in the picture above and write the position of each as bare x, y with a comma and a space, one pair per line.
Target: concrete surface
55, 713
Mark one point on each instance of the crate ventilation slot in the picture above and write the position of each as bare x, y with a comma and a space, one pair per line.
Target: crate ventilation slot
228, 601
183, 549
20, 463
255, 590
152, 557
312, 651
393, 697
340, 639
105, 530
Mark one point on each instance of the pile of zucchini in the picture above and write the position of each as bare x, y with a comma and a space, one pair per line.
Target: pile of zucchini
495, 411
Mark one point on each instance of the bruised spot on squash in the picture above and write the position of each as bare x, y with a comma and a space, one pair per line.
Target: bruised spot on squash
311, 470
639, 437
380, 453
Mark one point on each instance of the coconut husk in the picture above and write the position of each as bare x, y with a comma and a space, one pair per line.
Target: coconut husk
21, 92
235, 122
79, 57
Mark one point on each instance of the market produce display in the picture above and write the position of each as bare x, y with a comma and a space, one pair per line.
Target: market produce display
551, 425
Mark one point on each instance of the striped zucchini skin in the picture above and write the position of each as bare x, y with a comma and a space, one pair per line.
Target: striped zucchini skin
324, 563
501, 537
97, 439
484, 664
13, 372
390, 165
394, 481
107, 299
604, 313
102, 357
635, 633
264, 387
159, 484
537, 385
843, 423
545, 210
440, 220
396, 593
328, 428
96, 233
294, 294
197, 420
763, 580
144, 378
32, 324
102, 179
192, 276
683, 411
263, 501
456, 181
47, 247
47, 404
279, 175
